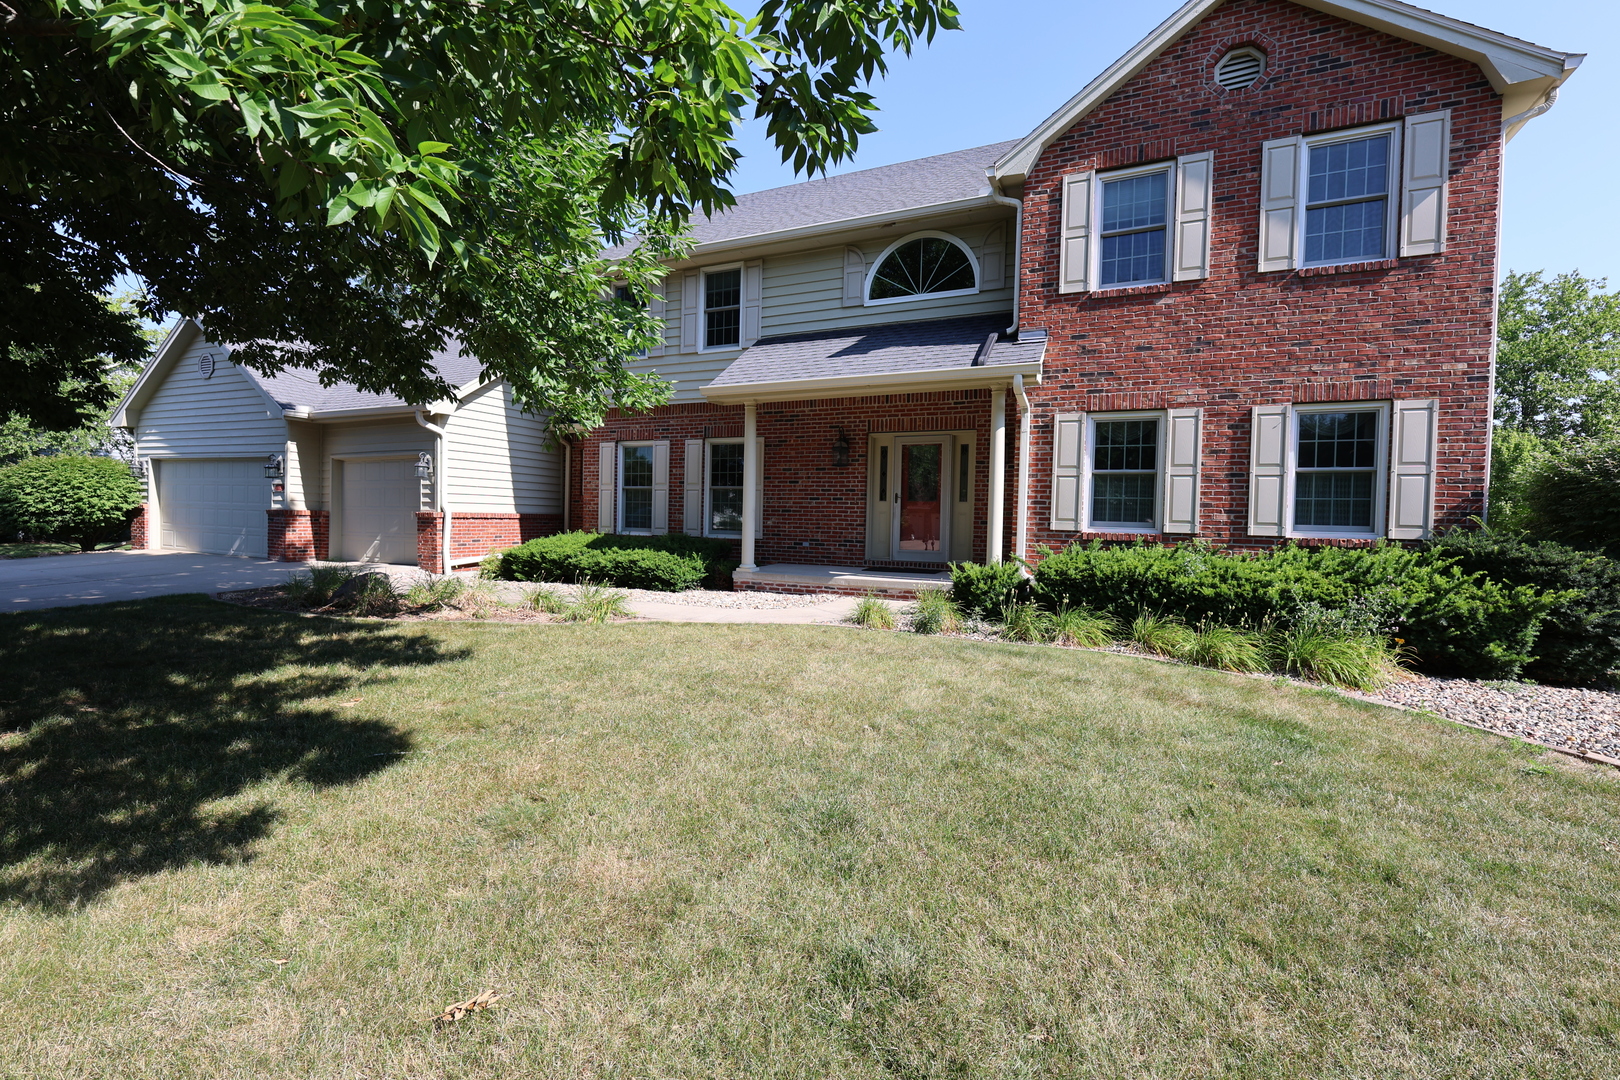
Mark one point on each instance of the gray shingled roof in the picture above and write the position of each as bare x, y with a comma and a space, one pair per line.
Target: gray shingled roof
907, 185
930, 345
300, 389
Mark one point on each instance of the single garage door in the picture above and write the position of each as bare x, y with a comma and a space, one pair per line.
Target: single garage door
216, 505
380, 500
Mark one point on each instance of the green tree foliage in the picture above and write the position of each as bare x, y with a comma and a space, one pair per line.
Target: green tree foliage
1558, 356
75, 500
1573, 496
345, 186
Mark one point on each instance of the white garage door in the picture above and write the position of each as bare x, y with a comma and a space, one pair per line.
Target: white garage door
216, 505
380, 500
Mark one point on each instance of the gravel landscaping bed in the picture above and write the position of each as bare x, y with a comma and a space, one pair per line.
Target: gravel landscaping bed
513, 591
1586, 720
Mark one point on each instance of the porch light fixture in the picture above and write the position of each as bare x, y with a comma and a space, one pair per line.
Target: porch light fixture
137, 469
424, 466
840, 449
274, 467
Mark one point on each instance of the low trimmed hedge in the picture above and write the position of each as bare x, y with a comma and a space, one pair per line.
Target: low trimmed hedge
670, 563
1450, 620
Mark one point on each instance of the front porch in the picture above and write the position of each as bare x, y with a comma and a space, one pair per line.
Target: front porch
840, 580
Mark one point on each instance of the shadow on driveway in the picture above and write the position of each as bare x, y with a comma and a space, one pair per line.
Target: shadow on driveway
120, 723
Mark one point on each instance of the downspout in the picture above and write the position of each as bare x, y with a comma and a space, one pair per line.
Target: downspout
1018, 245
1021, 529
441, 469
568, 479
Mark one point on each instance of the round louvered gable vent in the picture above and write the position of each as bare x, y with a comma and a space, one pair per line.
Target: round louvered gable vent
1240, 69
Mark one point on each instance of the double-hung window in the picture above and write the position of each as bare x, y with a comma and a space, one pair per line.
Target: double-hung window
1135, 215
1124, 473
724, 488
1348, 199
722, 308
635, 487
1337, 470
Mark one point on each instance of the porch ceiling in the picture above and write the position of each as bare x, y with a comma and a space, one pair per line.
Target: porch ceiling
934, 354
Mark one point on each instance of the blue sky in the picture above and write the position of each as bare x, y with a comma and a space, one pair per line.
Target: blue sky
1016, 61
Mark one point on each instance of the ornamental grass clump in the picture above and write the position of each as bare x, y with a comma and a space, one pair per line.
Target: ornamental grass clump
1084, 628
872, 613
548, 600
317, 586
1322, 653
1028, 623
433, 594
596, 605
1162, 635
376, 595
1228, 648
935, 613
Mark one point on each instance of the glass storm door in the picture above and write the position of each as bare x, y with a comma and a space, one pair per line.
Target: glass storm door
919, 489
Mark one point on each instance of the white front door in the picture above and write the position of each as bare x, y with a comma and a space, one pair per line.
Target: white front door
217, 505
380, 501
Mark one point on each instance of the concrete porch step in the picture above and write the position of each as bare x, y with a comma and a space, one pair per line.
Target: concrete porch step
842, 580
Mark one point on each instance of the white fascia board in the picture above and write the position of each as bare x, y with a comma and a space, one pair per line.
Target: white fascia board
1506, 61
989, 375
841, 225
374, 412
174, 342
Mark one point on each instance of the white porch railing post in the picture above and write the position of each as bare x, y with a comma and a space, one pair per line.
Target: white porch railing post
998, 474
750, 493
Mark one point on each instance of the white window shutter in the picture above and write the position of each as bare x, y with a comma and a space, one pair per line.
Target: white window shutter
1068, 455
1413, 429
607, 488
692, 489
1268, 470
854, 277
660, 492
759, 489
691, 287
1279, 203
993, 259
655, 308
1424, 171
1074, 251
1194, 199
1182, 453
753, 283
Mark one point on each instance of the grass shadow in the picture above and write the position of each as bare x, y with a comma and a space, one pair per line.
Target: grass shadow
121, 724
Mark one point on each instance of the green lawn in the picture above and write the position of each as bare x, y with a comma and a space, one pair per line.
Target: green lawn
47, 547
247, 844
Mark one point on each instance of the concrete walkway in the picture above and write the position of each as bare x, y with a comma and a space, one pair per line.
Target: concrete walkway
99, 576
833, 611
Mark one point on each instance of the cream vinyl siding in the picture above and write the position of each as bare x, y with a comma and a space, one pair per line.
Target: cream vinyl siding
222, 416
498, 459
376, 439
806, 291
305, 452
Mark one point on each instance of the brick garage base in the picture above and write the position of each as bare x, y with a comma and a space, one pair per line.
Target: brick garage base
138, 537
472, 535
299, 535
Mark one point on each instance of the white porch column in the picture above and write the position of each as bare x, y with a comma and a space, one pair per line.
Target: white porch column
750, 508
998, 474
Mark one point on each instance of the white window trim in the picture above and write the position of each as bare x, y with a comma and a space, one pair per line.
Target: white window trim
1088, 462
1105, 178
708, 488
1392, 190
703, 307
871, 274
1380, 470
618, 483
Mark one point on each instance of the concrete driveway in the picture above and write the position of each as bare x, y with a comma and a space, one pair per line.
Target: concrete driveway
99, 576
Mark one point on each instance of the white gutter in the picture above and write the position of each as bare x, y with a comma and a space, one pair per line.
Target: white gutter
992, 375
1018, 243
1021, 529
776, 236
441, 470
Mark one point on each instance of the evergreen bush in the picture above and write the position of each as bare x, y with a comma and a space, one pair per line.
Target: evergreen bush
988, 590
668, 563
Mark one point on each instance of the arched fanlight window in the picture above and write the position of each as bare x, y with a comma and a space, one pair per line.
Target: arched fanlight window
922, 265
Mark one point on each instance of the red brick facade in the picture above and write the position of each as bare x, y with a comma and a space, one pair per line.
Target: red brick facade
474, 535
1400, 328
138, 536
299, 535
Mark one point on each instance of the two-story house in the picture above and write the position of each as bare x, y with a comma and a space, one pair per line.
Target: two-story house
1240, 287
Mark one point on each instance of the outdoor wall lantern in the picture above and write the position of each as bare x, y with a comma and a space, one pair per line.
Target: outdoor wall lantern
274, 467
424, 466
137, 469
840, 449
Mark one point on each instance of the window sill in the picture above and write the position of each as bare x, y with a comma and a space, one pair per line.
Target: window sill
1348, 268
1127, 535
1336, 541
1131, 290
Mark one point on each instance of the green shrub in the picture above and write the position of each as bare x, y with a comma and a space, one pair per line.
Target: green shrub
935, 613
988, 590
1579, 641
1026, 622
1227, 648
1083, 627
1574, 497
873, 614
1517, 458
1164, 635
1453, 621
670, 563
73, 500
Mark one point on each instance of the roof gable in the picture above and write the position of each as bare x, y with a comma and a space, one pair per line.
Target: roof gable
1523, 73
